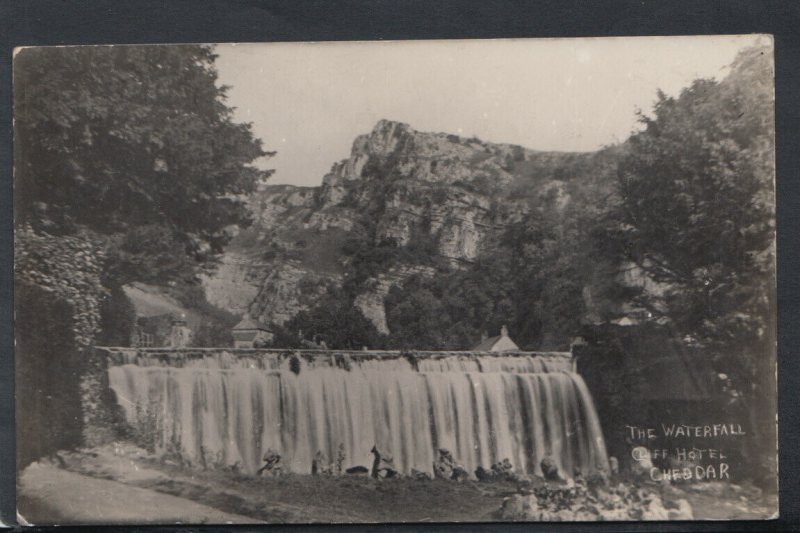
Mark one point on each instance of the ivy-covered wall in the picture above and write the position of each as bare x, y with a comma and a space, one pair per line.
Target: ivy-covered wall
57, 302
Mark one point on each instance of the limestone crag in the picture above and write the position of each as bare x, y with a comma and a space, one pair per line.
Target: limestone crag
439, 196
286, 290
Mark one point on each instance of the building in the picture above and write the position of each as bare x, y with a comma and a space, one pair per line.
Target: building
161, 330
500, 343
249, 334
160, 319
180, 334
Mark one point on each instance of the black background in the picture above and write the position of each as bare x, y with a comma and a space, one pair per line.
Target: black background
54, 22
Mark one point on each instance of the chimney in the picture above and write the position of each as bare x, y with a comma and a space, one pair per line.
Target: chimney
484, 336
504, 331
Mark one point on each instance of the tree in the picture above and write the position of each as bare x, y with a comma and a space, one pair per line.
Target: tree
48, 364
137, 144
696, 221
697, 210
334, 321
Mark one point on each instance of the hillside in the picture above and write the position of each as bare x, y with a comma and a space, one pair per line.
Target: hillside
404, 203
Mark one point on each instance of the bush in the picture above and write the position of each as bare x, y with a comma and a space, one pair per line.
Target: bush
117, 319
48, 372
69, 268
294, 365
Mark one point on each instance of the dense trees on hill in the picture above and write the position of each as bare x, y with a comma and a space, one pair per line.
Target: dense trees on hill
697, 215
697, 210
334, 323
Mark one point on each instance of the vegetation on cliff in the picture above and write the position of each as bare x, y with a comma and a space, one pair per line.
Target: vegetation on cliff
686, 205
672, 230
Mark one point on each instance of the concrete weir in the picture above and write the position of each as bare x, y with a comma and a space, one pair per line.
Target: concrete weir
230, 406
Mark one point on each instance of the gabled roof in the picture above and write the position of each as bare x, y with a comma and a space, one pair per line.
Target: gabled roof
248, 323
500, 343
154, 301
248, 336
486, 345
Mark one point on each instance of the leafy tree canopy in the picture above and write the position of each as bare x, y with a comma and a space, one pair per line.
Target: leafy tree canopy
697, 216
135, 143
334, 321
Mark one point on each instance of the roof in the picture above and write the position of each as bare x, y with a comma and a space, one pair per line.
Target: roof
248, 324
153, 301
500, 343
248, 335
147, 301
486, 345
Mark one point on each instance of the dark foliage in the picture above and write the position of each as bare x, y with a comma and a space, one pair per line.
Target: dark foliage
48, 370
694, 229
117, 319
334, 321
215, 324
131, 142
215, 328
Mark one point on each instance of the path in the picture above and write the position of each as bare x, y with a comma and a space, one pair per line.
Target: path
50, 495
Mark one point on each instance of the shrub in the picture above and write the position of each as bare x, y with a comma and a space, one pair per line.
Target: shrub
48, 370
117, 318
294, 365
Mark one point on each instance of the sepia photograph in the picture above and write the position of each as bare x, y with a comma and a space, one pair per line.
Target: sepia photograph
500, 280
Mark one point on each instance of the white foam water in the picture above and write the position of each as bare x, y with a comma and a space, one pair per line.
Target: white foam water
483, 408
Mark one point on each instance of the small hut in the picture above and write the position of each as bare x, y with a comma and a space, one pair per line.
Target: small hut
500, 343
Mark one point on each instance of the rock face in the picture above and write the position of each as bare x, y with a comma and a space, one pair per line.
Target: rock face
440, 195
371, 301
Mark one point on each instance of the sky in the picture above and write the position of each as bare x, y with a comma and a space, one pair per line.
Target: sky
308, 101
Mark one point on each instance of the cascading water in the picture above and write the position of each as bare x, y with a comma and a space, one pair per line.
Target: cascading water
483, 408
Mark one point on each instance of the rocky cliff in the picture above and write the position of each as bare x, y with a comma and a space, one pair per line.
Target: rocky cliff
438, 198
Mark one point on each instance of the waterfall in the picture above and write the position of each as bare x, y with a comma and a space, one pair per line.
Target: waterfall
229, 408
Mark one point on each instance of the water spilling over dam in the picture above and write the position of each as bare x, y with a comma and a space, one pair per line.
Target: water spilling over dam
232, 406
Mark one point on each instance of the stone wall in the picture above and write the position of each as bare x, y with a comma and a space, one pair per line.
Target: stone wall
175, 356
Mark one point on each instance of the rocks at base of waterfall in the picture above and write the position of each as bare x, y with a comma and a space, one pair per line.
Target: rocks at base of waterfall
419, 475
459, 474
272, 464
357, 471
500, 471
613, 465
341, 456
595, 478
383, 464
320, 466
640, 469
577, 501
446, 467
723, 489
683, 511
550, 469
